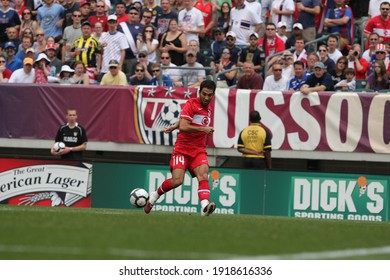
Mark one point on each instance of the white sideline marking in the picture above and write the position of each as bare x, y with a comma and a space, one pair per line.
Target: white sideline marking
115, 252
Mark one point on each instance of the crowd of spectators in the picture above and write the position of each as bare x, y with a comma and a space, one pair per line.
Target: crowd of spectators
251, 44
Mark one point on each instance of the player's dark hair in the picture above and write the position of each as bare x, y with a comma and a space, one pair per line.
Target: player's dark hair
208, 84
254, 117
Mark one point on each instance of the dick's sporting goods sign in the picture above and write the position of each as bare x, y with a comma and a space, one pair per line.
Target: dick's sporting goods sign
343, 198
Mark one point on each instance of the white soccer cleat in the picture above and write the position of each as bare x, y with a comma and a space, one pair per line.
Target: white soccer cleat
153, 197
209, 209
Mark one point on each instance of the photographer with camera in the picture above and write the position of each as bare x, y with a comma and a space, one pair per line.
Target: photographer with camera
359, 64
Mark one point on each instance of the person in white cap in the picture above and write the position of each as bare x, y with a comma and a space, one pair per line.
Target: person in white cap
243, 22
65, 76
253, 53
42, 69
283, 11
281, 33
297, 33
114, 46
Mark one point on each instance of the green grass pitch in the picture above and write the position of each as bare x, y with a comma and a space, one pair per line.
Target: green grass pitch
70, 233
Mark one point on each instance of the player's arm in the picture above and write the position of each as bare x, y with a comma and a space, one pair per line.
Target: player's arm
185, 126
171, 128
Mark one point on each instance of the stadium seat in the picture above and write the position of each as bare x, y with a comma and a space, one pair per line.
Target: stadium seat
361, 84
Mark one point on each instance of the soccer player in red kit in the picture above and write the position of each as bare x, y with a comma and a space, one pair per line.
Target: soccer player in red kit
189, 151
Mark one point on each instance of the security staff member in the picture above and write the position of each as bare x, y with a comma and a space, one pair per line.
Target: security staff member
254, 143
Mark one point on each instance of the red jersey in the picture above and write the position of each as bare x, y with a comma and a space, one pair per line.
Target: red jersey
271, 46
194, 142
380, 26
101, 19
207, 12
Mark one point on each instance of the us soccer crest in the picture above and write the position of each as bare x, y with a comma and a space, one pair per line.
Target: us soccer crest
159, 108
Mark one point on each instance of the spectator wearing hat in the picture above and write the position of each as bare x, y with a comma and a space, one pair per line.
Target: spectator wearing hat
235, 50
283, 11
243, 22
250, 79
9, 18
218, 43
12, 62
51, 17
5, 73
55, 64
356, 62
114, 45
253, 53
281, 31
115, 77
143, 59
65, 76
308, 9
192, 78
297, 33
42, 69
276, 81
30, 52
191, 21
319, 81
87, 49
25, 75
174, 42
271, 44
380, 54
131, 29
85, 9
71, 34
100, 16
139, 78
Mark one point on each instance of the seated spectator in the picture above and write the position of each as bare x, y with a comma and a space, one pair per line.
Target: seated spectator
26, 44
349, 82
300, 77
231, 44
358, 63
115, 77
80, 77
312, 58
140, 78
25, 75
193, 45
324, 58
5, 73
40, 41
192, 78
379, 79
147, 42
338, 73
65, 77
55, 64
217, 45
373, 41
225, 79
42, 69
300, 53
142, 59
158, 78
250, 79
276, 81
12, 62
173, 73
319, 81
253, 53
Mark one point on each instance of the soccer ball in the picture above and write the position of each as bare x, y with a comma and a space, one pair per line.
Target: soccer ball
58, 146
170, 113
139, 197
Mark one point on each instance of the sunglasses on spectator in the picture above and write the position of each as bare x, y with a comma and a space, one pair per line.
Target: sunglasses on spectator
271, 29
229, 39
142, 55
165, 57
146, 17
385, 9
2, 61
322, 50
26, 13
113, 67
133, 13
156, 70
40, 34
277, 70
149, 31
226, 52
100, 6
77, 15
139, 70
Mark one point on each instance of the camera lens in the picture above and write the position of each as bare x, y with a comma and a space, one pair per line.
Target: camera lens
355, 53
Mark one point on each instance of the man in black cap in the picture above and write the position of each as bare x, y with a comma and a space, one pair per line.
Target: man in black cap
87, 49
218, 44
319, 81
